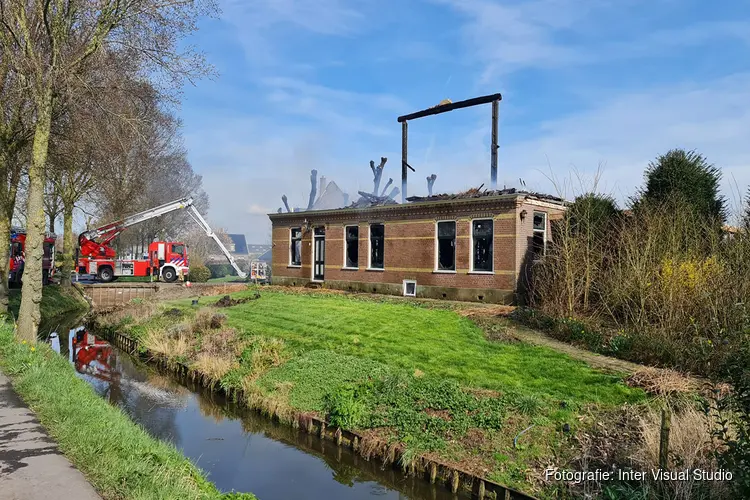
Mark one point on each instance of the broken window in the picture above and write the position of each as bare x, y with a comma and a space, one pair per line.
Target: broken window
446, 235
377, 242
352, 247
539, 239
295, 249
482, 245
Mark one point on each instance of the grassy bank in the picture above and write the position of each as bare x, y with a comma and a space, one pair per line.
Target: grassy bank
117, 456
426, 378
56, 301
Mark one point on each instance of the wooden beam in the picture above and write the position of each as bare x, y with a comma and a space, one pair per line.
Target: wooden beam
444, 108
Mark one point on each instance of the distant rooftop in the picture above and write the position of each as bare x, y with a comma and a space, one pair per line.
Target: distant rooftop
239, 244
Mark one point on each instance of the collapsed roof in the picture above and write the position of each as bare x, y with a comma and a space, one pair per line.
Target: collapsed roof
479, 193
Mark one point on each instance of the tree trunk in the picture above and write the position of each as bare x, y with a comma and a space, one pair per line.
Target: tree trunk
4, 262
29, 315
68, 243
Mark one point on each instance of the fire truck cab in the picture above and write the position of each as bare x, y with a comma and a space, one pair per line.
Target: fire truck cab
18, 257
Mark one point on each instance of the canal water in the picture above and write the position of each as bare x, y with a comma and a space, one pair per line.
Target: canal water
240, 449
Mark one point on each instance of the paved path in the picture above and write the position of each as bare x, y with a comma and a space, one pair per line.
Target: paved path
31, 467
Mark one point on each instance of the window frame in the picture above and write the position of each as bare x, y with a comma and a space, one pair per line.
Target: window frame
407, 282
290, 263
534, 231
472, 270
369, 246
346, 247
437, 247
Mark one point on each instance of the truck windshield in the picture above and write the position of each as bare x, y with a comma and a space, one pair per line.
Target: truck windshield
179, 250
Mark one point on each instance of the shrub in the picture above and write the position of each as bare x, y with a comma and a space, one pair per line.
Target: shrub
221, 270
199, 274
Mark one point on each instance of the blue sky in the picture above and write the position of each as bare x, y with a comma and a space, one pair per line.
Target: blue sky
601, 85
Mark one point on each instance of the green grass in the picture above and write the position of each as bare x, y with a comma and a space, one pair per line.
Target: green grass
56, 301
436, 342
117, 456
412, 373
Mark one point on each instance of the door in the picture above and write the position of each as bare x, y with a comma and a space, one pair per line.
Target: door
319, 254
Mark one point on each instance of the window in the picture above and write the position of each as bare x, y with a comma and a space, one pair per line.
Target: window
351, 249
481, 234
539, 240
179, 250
295, 249
446, 246
377, 242
17, 249
410, 288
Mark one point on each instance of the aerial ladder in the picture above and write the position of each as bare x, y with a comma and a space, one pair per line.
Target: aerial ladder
169, 258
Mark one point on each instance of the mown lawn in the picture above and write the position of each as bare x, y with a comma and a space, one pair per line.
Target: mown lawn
436, 342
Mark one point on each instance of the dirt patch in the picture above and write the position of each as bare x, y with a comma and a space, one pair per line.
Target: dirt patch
489, 311
173, 313
474, 439
227, 301
444, 414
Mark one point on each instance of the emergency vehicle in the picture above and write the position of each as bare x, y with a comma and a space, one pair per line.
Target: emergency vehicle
167, 260
18, 256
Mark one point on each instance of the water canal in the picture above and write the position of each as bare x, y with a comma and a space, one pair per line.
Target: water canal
239, 449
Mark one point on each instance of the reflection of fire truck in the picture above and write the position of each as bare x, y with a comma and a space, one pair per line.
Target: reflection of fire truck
165, 259
90, 355
18, 256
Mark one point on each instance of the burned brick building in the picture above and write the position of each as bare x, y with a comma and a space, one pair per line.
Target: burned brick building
477, 245
474, 246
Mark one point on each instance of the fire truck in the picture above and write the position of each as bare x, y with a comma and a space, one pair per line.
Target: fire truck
18, 256
167, 260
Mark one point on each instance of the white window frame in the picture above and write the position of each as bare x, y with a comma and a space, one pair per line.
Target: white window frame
344, 266
289, 248
369, 246
471, 246
437, 248
543, 231
415, 288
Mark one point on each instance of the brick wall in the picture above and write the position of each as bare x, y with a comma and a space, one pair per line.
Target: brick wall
410, 248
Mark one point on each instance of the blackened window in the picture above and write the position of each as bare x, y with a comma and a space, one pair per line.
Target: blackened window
482, 251
539, 240
352, 246
377, 242
295, 254
446, 234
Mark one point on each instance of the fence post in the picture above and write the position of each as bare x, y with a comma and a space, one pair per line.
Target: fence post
666, 422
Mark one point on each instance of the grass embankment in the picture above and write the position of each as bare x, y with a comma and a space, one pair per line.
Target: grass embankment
426, 378
117, 456
56, 301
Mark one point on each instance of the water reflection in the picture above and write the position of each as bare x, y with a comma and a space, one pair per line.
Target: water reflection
240, 450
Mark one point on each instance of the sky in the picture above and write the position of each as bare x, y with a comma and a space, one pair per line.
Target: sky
592, 91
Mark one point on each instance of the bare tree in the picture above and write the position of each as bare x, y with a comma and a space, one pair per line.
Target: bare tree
47, 43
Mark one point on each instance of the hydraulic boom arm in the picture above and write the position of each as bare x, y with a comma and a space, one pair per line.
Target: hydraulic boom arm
95, 242
198, 218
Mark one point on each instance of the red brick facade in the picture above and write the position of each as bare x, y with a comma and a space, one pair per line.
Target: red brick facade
410, 247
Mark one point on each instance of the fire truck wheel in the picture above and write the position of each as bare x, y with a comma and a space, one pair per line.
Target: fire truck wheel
169, 274
106, 275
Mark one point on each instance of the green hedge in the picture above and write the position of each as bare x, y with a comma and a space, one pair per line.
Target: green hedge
199, 274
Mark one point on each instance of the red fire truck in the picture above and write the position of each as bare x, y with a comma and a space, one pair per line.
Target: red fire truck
167, 260
18, 256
